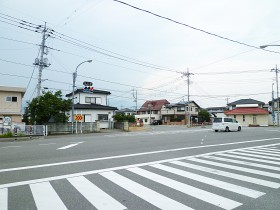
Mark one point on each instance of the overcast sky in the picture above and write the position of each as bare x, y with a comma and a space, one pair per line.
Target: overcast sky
132, 49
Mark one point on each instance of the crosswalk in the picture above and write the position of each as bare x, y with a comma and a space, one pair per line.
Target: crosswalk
220, 180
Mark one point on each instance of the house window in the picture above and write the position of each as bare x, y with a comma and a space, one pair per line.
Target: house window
155, 112
196, 109
181, 109
187, 109
146, 120
93, 100
103, 117
11, 99
234, 116
243, 118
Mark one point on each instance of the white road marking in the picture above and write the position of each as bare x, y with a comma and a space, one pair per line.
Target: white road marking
267, 151
145, 193
95, 195
248, 158
45, 197
208, 197
4, 199
262, 153
70, 145
245, 163
214, 182
10, 147
254, 155
229, 174
137, 154
238, 168
46, 144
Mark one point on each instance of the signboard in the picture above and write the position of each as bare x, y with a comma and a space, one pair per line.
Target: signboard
79, 117
7, 121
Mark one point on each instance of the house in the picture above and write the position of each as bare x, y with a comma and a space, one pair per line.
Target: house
92, 105
151, 110
10, 105
127, 111
180, 113
248, 112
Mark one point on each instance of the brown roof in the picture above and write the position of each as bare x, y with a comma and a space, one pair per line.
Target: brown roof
241, 110
156, 105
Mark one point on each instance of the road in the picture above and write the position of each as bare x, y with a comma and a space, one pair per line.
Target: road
167, 167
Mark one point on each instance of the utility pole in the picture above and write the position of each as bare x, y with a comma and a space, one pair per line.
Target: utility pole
135, 98
277, 93
272, 106
41, 63
188, 74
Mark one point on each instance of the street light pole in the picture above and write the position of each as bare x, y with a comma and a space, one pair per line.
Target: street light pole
74, 81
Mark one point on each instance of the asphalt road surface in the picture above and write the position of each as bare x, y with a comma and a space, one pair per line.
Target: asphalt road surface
167, 167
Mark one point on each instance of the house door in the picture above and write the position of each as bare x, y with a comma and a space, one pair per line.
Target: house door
254, 119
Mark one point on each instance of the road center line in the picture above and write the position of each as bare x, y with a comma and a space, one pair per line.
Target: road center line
48, 179
9, 147
46, 144
70, 145
131, 155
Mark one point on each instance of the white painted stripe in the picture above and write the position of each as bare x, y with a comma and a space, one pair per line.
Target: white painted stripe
261, 153
254, 155
145, 193
95, 195
248, 158
46, 144
138, 154
45, 197
266, 150
10, 147
4, 199
70, 145
238, 168
229, 174
214, 182
203, 195
101, 170
270, 150
245, 163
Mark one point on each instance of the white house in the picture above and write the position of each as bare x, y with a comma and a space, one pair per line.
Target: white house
93, 106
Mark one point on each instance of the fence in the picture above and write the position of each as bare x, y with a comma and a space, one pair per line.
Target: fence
66, 128
24, 130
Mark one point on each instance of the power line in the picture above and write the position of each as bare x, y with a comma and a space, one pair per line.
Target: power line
15, 40
194, 28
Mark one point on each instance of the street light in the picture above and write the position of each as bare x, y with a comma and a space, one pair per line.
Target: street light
276, 71
74, 81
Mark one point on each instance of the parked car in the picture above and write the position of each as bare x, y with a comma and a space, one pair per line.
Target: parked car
157, 122
225, 124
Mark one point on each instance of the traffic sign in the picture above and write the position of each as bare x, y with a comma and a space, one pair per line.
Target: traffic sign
78, 117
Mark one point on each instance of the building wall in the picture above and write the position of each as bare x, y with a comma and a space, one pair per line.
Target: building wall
147, 118
81, 98
261, 120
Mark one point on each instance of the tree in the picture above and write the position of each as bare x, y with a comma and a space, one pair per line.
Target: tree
49, 106
204, 116
121, 117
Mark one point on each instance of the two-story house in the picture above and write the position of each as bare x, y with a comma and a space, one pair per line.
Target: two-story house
248, 112
93, 106
150, 111
10, 105
181, 113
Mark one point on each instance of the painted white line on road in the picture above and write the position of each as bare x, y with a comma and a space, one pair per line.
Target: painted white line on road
95, 195
45, 197
229, 174
269, 150
203, 195
153, 197
10, 147
4, 199
108, 169
46, 144
137, 154
262, 153
254, 155
210, 181
69, 146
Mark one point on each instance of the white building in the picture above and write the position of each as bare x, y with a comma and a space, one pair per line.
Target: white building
93, 106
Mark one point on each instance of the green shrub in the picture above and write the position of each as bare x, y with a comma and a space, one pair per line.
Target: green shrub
6, 135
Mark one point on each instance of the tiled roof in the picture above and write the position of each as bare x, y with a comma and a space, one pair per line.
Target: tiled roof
93, 92
254, 110
156, 105
94, 107
246, 101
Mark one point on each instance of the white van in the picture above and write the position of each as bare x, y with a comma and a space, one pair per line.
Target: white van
225, 124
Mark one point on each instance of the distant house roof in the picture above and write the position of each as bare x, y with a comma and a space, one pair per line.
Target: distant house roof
93, 92
156, 105
246, 101
244, 111
12, 89
94, 107
126, 110
182, 103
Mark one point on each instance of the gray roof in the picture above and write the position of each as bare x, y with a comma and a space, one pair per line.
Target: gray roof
93, 92
246, 101
94, 107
